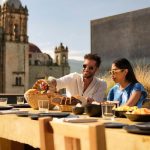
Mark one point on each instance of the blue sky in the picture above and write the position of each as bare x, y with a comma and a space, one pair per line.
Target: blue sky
68, 21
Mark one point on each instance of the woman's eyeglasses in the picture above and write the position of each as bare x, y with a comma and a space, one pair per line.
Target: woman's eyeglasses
115, 71
89, 67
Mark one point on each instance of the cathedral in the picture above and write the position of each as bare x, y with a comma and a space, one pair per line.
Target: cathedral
21, 62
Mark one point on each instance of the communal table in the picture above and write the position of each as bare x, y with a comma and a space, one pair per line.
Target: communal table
16, 131
119, 139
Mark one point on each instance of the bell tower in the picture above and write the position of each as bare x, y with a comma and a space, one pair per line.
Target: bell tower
61, 55
14, 52
13, 19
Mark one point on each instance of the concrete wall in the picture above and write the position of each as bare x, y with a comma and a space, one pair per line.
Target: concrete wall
125, 35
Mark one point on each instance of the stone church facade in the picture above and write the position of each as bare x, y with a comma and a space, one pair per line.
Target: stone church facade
41, 65
21, 62
124, 35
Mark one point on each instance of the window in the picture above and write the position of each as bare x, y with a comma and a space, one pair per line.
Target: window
18, 78
18, 81
16, 31
64, 60
37, 62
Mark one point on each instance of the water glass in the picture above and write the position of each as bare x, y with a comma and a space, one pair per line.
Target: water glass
20, 100
115, 102
108, 111
3, 101
43, 105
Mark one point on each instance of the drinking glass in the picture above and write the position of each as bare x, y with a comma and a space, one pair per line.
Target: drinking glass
108, 110
3, 101
43, 105
20, 100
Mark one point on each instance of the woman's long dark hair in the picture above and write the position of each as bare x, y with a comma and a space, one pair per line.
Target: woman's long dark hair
123, 63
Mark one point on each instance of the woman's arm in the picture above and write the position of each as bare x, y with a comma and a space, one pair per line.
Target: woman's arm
134, 98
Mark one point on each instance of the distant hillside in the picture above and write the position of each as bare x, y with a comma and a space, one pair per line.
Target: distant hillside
75, 65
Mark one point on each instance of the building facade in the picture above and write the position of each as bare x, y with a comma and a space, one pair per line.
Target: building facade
41, 65
22, 63
14, 47
125, 35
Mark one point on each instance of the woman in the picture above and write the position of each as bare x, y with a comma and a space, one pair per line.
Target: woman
128, 91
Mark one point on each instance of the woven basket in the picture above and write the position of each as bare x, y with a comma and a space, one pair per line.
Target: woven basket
67, 108
33, 99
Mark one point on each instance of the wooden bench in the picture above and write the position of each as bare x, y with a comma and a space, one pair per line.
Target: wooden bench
71, 136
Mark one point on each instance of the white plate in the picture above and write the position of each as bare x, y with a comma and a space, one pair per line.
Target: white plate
80, 120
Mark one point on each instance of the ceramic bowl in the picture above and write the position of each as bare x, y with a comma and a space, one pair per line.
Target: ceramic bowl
93, 110
78, 110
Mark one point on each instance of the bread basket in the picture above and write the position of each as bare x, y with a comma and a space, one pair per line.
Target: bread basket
33, 98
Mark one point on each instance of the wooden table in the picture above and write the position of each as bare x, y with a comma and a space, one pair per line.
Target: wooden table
15, 129
119, 139
24, 130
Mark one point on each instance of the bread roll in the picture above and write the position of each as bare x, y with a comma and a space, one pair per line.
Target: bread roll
65, 101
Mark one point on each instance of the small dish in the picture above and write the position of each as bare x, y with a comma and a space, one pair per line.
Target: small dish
93, 110
51, 114
114, 125
34, 117
80, 120
120, 114
54, 114
136, 130
143, 126
5, 107
22, 114
78, 110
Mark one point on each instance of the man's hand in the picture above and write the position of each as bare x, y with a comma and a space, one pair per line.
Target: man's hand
90, 100
44, 85
41, 84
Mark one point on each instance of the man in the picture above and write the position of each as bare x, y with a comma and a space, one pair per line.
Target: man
85, 84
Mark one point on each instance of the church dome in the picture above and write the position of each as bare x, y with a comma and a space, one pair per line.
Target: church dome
15, 3
33, 48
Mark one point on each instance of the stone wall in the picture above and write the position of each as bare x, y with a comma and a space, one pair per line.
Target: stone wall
1, 62
16, 66
39, 72
125, 35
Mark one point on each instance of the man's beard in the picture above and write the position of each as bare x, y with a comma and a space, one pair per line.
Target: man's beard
88, 77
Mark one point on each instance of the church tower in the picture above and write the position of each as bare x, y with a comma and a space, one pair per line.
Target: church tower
14, 51
61, 55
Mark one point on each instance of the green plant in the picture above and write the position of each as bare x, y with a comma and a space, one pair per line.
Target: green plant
142, 73
109, 81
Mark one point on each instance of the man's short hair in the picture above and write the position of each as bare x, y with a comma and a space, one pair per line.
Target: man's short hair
93, 57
